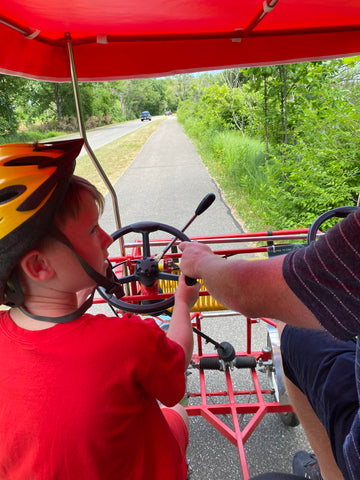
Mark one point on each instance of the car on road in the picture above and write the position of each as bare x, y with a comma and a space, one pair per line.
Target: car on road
145, 116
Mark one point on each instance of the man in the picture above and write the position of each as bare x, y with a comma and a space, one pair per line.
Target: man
315, 288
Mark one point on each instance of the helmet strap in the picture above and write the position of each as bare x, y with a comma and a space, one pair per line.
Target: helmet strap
110, 282
13, 292
64, 318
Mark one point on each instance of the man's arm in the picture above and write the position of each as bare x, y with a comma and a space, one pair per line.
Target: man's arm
255, 288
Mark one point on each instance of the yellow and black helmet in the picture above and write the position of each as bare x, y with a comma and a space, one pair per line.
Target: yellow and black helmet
33, 181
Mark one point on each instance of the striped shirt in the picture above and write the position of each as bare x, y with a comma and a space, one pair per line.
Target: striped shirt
326, 278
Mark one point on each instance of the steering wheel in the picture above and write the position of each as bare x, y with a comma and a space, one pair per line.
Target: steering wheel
340, 212
146, 271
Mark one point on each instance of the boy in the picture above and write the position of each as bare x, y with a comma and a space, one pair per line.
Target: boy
78, 393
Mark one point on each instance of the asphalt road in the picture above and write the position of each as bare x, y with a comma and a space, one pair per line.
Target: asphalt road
165, 183
99, 137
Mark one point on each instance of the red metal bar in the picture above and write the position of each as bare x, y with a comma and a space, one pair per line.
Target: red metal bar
231, 405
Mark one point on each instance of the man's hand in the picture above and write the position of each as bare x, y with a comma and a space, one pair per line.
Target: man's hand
194, 258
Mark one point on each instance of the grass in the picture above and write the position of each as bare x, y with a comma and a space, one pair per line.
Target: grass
233, 161
116, 156
28, 136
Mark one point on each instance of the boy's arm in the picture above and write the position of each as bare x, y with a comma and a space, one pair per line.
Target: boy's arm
180, 329
255, 288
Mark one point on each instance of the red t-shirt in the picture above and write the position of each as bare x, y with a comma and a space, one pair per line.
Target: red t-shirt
78, 400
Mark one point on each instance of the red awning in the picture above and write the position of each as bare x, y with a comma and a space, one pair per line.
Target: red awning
115, 39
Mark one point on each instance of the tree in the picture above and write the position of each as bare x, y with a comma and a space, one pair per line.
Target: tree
10, 88
243, 102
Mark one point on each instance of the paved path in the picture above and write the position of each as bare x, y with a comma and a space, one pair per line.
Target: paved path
165, 183
99, 137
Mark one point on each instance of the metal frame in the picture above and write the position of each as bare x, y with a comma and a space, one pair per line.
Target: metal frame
233, 405
80, 118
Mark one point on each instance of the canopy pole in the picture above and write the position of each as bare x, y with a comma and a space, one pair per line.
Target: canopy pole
88, 148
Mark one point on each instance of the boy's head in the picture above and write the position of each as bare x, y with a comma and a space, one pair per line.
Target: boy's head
34, 180
71, 204
76, 249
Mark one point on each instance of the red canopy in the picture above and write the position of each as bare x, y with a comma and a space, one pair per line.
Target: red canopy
114, 39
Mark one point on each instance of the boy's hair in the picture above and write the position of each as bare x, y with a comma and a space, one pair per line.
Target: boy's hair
70, 206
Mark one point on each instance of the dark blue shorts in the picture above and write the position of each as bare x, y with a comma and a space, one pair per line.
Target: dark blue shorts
323, 368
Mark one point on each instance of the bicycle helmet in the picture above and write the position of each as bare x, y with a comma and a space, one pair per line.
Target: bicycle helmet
33, 181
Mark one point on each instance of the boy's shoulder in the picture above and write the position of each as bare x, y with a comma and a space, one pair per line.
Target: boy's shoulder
126, 323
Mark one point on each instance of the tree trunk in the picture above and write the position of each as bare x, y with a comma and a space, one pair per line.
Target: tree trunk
266, 114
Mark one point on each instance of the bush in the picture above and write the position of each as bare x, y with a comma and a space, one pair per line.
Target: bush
28, 136
94, 122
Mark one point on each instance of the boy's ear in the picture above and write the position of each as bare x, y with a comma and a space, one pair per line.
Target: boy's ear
37, 266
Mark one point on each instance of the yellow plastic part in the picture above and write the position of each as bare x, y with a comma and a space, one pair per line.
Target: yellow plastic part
204, 303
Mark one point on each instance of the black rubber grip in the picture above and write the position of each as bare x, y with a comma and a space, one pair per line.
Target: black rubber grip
205, 203
245, 362
190, 281
213, 363
209, 363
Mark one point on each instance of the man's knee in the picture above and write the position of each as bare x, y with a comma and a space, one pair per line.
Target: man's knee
280, 328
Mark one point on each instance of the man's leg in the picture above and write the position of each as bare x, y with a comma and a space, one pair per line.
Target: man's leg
315, 432
313, 427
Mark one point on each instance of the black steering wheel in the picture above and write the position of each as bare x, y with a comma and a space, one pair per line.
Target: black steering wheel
146, 270
340, 212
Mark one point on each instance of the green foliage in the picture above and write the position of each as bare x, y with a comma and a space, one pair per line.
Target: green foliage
240, 158
28, 136
318, 173
141, 94
234, 159
9, 87
31, 103
282, 140
307, 117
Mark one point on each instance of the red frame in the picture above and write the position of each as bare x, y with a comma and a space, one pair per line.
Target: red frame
259, 407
